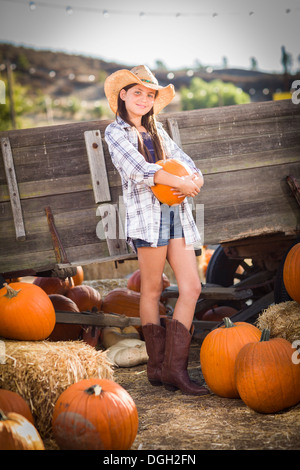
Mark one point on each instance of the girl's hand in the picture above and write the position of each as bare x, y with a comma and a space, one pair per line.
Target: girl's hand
187, 186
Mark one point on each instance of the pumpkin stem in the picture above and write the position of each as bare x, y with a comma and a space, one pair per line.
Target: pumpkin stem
94, 390
265, 335
11, 293
3, 416
228, 323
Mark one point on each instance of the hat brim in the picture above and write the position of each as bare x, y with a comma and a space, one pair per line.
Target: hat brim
120, 79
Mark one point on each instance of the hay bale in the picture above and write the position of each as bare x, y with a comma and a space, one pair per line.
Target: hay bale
283, 320
41, 370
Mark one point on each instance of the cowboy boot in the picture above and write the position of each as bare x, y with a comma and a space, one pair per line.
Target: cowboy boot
155, 336
174, 369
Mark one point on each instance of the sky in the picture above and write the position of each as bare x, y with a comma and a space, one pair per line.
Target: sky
178, 33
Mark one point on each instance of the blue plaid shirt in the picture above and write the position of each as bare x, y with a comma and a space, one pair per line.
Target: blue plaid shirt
142, 208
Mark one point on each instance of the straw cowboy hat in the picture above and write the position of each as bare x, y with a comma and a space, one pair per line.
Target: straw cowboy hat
139, 75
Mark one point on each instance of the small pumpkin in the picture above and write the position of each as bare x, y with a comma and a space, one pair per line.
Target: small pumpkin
64, 331
95, 414
267, 378
85, 297
291, 272
163, 192
218, 313
27, 312
125, 301
134, 281
13, 402
17, 433
78, 278
218, 353
54, 285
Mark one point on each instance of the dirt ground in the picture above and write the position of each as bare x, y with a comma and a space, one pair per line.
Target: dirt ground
173, 421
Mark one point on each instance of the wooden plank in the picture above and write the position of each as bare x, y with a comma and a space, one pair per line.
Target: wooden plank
13, 189
96, 319
212, 292
97, 166
174, 131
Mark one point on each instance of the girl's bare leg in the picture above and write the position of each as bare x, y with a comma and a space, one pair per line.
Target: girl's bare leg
151, 264
183, 262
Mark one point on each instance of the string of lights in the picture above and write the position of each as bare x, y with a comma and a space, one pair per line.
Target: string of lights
106, 13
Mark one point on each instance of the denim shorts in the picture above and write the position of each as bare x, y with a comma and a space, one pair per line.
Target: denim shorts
170, 227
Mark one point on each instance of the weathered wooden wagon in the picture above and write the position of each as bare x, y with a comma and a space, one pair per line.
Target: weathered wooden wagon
59, 189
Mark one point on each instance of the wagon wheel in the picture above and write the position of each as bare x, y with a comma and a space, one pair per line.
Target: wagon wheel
226, 272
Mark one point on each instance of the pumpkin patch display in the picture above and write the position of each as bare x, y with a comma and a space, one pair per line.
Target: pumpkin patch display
163, 192
267, 378
13, 402
17, 433
218, 354
27, 312
291, 272
95, 414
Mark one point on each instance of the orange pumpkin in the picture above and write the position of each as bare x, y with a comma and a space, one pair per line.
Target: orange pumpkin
79, 276
17, 433
12, 401
218, 313
291, 272
163, 192
95, 414
218, 353
26, 312
267, 378
125, 301
134, 281
64, 331
53, 285
85, 297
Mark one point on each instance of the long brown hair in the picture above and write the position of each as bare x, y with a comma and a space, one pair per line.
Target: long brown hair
149, 123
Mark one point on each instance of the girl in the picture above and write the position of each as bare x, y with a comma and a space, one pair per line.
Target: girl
136, 141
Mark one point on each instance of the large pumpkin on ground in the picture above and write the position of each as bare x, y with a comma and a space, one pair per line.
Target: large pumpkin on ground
291, 272
219, 351
267, 377
26, 312
17, 433
95, 414
163, 192
126, 302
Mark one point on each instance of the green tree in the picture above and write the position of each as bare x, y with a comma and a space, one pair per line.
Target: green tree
201, 94
22, 105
